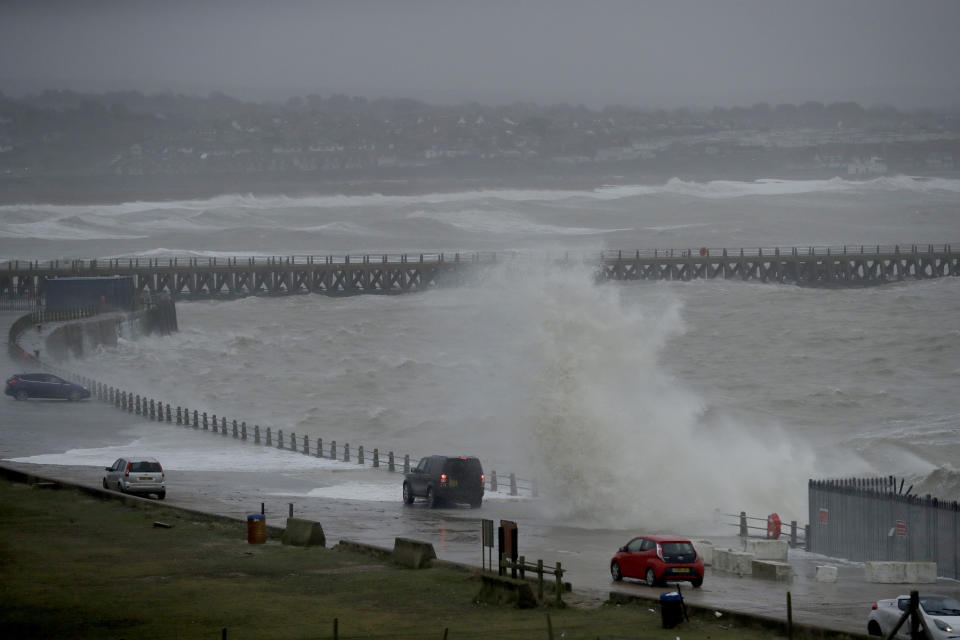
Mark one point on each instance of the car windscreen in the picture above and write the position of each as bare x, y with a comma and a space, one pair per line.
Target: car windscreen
145, 467
940, 606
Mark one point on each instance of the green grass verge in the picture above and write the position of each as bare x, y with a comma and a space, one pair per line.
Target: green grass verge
74, 566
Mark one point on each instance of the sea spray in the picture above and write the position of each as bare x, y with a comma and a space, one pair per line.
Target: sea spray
617, 439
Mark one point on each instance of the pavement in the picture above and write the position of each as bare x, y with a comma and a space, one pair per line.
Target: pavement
39, 427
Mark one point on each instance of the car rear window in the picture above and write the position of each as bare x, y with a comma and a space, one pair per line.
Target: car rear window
460, 468
145, 467
677, 548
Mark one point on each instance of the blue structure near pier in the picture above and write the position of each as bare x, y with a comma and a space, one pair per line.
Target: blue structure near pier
112, 292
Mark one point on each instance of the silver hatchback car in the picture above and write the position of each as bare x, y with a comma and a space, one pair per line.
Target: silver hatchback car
136, 475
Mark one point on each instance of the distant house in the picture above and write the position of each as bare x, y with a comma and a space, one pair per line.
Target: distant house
866, 166
939, 160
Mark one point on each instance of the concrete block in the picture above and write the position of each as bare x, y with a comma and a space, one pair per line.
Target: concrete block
826, 573
731, 561
502, 590
900, 572
303, 533
741, 563
705, 551
921, 572
771, 570
768, 549
413, 554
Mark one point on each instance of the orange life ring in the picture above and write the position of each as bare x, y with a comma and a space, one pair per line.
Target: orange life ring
773, 526
703, 251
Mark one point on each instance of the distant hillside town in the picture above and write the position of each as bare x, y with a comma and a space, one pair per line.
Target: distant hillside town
64, 133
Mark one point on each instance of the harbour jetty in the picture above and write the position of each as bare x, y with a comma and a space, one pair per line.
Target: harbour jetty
185, 278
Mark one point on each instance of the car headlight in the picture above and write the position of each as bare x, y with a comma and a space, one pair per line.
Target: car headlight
943, 626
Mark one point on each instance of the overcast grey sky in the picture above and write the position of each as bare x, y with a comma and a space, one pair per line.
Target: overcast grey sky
595, 52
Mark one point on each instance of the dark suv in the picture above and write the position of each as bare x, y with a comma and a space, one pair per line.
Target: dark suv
445, 479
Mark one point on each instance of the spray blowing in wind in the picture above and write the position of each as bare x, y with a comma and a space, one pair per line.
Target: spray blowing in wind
619, 440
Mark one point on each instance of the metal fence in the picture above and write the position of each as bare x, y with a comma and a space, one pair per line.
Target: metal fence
873, 519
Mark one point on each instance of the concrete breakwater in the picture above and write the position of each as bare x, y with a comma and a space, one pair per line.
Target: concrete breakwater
830, 266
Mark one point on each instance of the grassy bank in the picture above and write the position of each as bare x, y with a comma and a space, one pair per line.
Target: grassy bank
76, 566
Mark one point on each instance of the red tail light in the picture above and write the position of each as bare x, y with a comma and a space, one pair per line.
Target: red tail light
874, 607
443, 478
126, 472
659, 551
483, 478
12, 381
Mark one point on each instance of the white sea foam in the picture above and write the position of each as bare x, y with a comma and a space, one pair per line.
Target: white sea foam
180, 450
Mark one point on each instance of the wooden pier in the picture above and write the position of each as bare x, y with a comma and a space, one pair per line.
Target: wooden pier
186, 278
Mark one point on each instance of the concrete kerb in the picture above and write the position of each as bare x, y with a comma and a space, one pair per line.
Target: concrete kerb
766, 622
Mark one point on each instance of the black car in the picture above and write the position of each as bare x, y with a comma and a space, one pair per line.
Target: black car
44, 385
448, 479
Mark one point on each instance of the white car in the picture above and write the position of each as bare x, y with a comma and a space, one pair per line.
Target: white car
940, 613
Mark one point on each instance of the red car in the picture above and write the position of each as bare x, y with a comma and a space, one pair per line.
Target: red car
658, 559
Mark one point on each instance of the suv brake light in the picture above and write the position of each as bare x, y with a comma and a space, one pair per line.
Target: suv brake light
126, 472
874, 607
659, 551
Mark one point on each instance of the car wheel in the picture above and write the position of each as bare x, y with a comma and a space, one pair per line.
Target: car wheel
873, 629
615, 571
696, 583
21, 395
431, 498
161, 495
74, 396
651, 577
407, 494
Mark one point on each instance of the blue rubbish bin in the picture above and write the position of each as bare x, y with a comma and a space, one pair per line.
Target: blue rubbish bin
671, 609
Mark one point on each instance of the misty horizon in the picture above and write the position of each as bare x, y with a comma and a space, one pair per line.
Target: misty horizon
645, 55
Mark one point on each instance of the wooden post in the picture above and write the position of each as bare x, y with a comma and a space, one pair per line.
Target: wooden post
269, 443
279, 438
346, 452
256, 434
235, 431
206, 426
179, 415
390, 462
168, 412
243, 430
333, 449
493, 481
376, 458
306, 446
153, 409
406, 463
540, 579
513, 484
319, 447
213, 422
293, 441
743, 524
559, 574
138, 411
360, 454
223, 426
